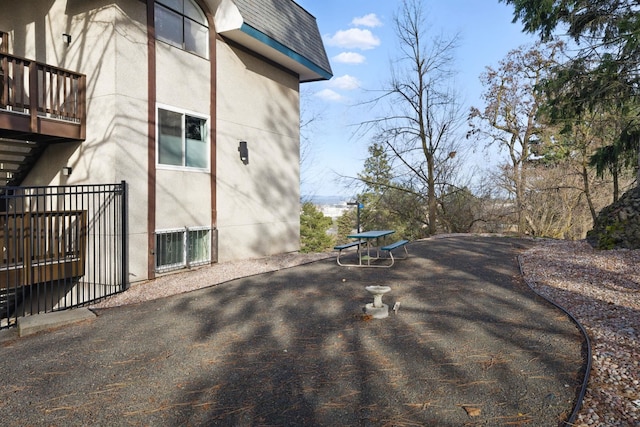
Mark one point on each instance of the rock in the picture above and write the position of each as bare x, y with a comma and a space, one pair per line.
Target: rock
618, 225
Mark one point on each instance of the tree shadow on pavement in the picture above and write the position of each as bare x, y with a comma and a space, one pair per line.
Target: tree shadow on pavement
470, 345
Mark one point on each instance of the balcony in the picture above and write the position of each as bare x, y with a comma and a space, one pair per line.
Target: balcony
39, 105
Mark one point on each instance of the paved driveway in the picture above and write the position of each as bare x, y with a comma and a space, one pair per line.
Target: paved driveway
470, 345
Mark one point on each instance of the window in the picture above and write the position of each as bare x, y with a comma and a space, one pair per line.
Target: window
198, 246
4, 48
182, 140
180, 248
4, 42
182, 24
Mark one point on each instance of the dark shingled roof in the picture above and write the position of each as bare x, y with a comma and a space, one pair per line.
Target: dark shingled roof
289, 24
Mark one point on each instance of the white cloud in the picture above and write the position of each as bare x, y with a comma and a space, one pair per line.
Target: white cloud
349, 58
353, 38
369, 20
329, 95
345, 82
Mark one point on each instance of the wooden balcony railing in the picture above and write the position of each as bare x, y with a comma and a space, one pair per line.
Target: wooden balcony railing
38, 247
40, 102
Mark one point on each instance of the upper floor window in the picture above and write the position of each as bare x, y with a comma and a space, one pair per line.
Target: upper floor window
183, 140
4, 42
182, 23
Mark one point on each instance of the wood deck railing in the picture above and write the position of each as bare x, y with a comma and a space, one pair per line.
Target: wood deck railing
40, 99
41, 247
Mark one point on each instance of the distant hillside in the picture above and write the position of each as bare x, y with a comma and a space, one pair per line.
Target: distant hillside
325, 200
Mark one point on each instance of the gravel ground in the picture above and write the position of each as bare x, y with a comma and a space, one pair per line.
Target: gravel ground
601, 289
197, 278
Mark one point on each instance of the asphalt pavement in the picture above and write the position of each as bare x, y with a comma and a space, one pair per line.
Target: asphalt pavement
470, 345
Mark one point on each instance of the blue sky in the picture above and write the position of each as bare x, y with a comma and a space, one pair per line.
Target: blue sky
360, 43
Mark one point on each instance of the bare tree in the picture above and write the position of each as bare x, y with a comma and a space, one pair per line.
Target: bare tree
419, 130
309, 118
509, 118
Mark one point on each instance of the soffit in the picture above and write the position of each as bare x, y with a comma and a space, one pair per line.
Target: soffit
279, 30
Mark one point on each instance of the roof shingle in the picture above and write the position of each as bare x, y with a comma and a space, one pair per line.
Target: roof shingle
287, 23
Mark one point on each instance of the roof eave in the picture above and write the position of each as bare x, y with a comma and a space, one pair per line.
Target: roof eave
266, 46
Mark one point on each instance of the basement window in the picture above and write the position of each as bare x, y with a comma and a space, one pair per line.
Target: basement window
182, 248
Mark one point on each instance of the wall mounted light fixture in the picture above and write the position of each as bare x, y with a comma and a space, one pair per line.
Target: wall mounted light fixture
66, 38
66, 171
244, 152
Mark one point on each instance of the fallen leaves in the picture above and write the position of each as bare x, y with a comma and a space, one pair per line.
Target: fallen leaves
472, 411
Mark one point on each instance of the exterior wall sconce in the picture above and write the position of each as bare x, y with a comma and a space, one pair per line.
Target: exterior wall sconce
244, 152
66, 171
66, 38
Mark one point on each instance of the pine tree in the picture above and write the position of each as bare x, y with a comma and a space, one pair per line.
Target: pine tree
313, 229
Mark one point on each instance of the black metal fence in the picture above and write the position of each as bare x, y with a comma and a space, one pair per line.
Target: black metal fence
62, 247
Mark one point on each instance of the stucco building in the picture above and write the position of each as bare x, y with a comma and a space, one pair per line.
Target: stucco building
194, 104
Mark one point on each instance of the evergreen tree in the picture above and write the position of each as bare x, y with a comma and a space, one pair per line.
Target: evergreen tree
346, 225
376, 178
604, 71
389, 204
313, 229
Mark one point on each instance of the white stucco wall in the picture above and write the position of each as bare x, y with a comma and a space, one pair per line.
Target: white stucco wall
258, 203
257, 102
108, 45
183, 197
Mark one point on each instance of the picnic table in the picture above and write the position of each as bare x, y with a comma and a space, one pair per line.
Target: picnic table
366, 239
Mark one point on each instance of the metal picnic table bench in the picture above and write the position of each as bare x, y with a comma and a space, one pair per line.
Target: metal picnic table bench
365, 239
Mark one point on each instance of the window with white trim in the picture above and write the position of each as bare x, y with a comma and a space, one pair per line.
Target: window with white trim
4, 42
182, 24
182, 247
182, 139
